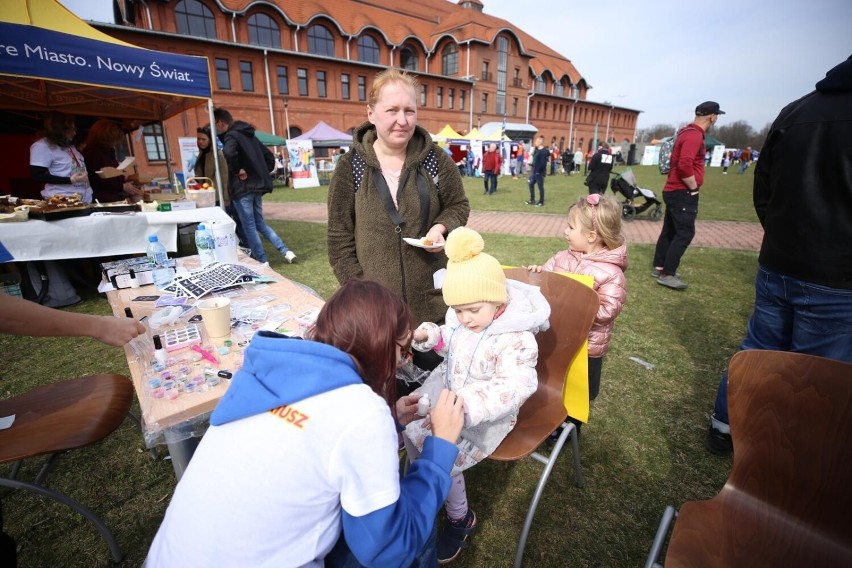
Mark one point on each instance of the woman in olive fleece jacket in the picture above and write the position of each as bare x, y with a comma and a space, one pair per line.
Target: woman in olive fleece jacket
362, 241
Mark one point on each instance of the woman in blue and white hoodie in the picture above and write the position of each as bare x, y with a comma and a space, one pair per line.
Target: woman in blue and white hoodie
305, 437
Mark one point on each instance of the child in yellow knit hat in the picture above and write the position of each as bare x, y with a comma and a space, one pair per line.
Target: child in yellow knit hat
490, 355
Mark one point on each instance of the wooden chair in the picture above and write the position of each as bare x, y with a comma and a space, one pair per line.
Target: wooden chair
573, 308
787, 499
59, 417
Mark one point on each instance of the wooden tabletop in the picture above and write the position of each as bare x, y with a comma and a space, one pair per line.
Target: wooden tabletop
284, 301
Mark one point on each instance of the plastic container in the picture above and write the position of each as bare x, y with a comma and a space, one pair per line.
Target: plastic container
205, 245
202, 197
159, 260
225, 238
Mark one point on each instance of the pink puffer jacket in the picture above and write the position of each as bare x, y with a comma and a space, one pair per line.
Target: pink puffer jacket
607, 267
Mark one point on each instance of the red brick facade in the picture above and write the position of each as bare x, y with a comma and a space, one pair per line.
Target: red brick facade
461, 55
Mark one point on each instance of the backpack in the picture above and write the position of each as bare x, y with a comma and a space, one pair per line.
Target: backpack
666, 149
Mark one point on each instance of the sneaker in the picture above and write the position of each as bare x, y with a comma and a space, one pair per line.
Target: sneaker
454, 537
290, 256
672, 282
530, 202
657, 272
539, 204
718, 443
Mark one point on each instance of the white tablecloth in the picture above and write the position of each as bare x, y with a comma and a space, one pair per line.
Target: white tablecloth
98, 235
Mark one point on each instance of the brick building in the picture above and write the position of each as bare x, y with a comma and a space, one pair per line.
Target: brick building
285, 65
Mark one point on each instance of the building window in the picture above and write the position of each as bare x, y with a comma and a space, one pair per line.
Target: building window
408, 59
344, 86
321, 84
461, 100
484, 107
560, 89
451, 94
195, 19
539, 84
502, 73
155, 142
223, 74
423, 93
515, 106
439, 97
450, 59
302, 77
246, 77
575, 92
320, 41
368, 50
263, 31
362, 88
283, 80
485, 75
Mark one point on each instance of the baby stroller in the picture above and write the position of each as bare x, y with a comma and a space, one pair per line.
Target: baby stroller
624, 183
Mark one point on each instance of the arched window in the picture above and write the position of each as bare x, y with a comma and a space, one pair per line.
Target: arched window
320, 41
560, 89
195, 19
263, 31
295, 131
408, 58
368, 50
450, 59
539, 84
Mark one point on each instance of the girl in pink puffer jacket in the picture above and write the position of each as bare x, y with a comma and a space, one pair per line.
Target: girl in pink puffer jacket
595, 247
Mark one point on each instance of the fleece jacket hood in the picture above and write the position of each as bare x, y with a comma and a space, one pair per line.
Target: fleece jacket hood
279, 370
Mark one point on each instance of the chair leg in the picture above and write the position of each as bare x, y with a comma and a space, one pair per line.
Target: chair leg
41, 478
568, 429
65, 500
660, 538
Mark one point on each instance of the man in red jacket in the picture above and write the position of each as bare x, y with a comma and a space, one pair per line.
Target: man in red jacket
491, 162
681, 195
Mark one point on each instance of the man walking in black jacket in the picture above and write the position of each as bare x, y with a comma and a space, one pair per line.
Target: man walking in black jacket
538, 169
250, 164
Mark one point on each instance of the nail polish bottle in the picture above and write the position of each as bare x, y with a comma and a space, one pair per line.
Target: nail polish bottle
159, 353
134, 282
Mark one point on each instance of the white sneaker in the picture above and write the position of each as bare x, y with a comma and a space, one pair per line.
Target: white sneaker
290, 256
264, 265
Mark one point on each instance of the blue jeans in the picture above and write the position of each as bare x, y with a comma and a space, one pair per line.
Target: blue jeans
794, 315
537, 178
678, 229
490, 182
250, 211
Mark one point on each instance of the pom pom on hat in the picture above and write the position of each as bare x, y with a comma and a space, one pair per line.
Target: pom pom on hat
472, 275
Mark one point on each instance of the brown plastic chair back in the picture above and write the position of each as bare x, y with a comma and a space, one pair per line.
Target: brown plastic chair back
64, 416
573, 307
787, 500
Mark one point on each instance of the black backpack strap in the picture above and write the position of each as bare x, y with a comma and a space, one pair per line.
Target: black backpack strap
358, 167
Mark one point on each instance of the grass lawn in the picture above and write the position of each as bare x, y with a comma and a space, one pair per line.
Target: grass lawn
723, 197
642, 450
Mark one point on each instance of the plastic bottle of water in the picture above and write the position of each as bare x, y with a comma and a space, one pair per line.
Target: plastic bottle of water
205, 245
159, 260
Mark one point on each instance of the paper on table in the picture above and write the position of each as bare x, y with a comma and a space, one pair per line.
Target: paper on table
6, 421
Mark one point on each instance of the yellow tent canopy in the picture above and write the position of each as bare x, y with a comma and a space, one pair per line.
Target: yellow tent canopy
446, 133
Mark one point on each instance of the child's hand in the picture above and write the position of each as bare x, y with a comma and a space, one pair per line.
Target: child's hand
534, 268
448, 416
406, 409
419, 336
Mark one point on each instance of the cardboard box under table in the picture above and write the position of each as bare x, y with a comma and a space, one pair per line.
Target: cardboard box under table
178, 422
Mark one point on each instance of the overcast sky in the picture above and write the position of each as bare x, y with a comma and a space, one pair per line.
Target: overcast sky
666, 56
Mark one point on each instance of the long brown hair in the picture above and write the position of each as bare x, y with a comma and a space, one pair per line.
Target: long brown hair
366, 320
56, 126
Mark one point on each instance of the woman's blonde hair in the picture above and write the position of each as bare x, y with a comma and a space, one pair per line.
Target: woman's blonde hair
104, 132
601, 215
388, 76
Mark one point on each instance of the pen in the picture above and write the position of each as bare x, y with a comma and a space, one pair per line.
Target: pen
205, 354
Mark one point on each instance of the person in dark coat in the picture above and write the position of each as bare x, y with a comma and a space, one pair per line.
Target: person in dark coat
599, 169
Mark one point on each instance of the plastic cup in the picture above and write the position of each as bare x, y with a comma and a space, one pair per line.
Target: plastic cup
216, 315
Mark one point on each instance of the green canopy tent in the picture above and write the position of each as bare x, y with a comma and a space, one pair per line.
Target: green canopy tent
268, 139
709, 142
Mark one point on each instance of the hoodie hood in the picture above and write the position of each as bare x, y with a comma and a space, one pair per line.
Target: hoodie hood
418, 147
616, 256
243, 128
279, 370
526, 310
838, 79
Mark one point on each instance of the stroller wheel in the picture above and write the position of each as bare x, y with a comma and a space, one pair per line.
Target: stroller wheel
628, 212
657, 213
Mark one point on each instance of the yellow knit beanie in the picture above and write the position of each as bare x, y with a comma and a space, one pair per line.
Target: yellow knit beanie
472, 276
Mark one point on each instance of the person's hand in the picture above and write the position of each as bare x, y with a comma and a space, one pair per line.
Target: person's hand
79, 177
406, 409
132, 189
533, 268
436, 235
117, 331
419, 335
447, 416
242, 175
